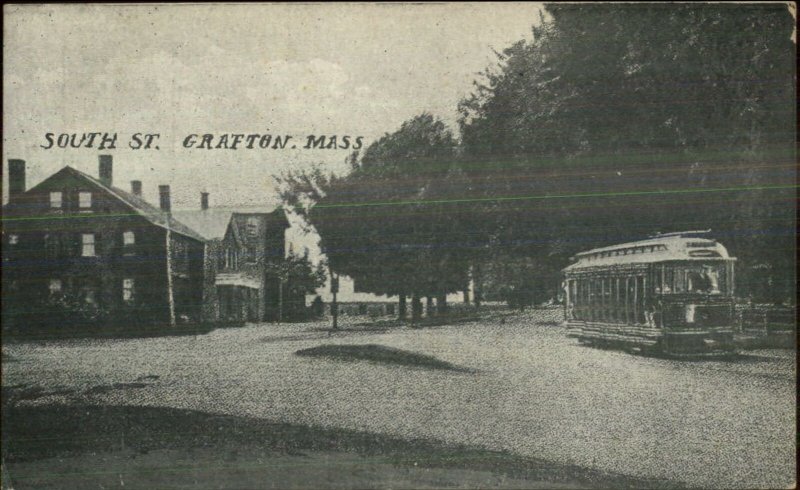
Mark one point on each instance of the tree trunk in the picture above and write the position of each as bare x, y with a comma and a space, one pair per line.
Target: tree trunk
416, 308
401, 307
429, 311
441, 304
280, 301
466, 296
476, 285
335, 312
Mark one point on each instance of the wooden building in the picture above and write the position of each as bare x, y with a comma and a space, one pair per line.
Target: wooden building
78, 250
245, 248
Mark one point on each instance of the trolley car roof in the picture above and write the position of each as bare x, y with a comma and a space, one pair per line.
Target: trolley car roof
674, 246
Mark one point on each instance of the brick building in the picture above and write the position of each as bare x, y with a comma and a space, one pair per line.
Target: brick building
106, 256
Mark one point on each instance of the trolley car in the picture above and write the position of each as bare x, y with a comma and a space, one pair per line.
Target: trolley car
671, 293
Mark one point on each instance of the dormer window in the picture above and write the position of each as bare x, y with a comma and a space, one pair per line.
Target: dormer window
85, 200
56, 200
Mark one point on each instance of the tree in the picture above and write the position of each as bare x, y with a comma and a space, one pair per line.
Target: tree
299, 278
599, 130
385, 224
603, 128
518, 280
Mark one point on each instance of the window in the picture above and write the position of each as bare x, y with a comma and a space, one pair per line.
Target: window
127, 290
52, 246
640, 300
669, 280
231, 259
252, 226
128, 242
13, 239
608, 309
55, 286
55, 200
87, 242
680, 280
85, 200
630, 299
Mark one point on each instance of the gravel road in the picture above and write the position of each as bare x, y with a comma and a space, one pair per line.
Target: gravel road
527, 388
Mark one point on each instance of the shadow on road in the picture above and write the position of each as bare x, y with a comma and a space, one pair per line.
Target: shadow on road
379, 354
240, 449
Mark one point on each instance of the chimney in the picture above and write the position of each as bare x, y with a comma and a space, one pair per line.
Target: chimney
136, 188
16, 178
204, 201
163, 198
106, 170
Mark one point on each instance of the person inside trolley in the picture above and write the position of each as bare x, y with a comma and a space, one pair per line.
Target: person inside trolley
704, 281
651, 307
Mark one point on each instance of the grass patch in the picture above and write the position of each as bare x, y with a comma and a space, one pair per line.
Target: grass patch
379, 354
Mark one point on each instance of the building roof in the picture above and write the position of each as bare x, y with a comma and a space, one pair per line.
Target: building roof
151, 213
672, 246
212, 223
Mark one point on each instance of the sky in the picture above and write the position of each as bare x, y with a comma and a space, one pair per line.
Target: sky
333, 69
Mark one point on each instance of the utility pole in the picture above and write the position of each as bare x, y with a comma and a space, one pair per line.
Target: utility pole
170, 295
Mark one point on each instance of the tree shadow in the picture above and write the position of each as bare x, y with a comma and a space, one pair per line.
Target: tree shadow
34, 433
380, 354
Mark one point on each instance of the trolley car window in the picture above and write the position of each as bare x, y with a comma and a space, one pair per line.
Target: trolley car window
696, 278
640, 297
630, 293
587, 294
